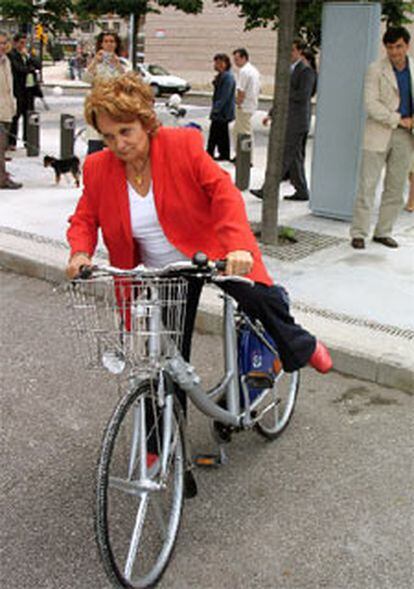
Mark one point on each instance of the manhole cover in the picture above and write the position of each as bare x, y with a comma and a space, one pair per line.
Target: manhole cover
306, 244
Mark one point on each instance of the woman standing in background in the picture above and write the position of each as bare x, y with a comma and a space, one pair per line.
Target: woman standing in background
105, 64
223, 108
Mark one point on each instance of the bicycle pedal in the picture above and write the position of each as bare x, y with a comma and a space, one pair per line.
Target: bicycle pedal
259, 380
207, 460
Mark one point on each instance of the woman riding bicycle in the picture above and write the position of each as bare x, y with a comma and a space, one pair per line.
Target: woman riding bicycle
158, 197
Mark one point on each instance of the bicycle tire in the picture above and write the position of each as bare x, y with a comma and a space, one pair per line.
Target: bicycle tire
155, 547
283, 396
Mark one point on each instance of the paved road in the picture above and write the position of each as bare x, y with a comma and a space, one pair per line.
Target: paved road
328, 505
71, 102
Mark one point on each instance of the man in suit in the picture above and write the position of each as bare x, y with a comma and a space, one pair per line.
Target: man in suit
388, 139
302, 84
24, 80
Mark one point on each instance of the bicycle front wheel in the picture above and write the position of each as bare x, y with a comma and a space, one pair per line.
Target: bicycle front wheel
140, 488
276, 407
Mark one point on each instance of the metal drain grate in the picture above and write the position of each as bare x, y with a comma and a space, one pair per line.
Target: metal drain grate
308, 243
392, 330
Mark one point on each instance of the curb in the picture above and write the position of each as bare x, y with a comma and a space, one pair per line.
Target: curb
378, 358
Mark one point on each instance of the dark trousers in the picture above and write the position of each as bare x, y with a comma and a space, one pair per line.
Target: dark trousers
25, 103
3, 147
219, 137
270, 305
294, 162
304, 141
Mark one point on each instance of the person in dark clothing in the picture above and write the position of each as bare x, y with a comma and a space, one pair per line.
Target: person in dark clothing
308, 56
24, 80
223, 108
302, 85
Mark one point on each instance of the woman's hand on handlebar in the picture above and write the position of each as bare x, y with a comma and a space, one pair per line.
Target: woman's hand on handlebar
76, 262
239, 263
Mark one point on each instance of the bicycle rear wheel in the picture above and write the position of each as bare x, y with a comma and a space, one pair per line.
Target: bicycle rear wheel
138, 510
276, 408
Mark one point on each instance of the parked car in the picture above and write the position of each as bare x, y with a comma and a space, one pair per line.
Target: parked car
161, 81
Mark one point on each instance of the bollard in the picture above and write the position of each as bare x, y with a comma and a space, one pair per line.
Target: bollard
67, 136
33, 134
243, 159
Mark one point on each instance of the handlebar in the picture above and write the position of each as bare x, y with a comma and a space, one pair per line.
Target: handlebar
200, 267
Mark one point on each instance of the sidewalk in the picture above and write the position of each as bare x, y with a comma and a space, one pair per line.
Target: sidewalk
359, 303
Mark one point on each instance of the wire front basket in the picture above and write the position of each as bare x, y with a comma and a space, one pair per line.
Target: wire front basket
127, 322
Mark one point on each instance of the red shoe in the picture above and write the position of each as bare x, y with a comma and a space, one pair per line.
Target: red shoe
151, 459
321, 359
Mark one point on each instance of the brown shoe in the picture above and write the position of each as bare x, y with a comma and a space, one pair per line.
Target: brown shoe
387, 241
358, 243
10, 185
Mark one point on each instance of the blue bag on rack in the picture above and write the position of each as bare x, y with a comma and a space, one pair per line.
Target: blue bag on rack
254, 356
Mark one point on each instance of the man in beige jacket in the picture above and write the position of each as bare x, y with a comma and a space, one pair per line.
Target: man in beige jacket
7, 110
388, 140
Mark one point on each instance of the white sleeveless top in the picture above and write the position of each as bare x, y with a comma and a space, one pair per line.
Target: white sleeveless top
156, 250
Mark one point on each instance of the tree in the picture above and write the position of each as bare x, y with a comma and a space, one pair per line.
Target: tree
55, 15
137, 8
276, 142
304, 18
308, 19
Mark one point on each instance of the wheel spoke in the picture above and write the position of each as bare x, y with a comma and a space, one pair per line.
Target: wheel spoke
133, 487
159, 515
134, 442
136, 535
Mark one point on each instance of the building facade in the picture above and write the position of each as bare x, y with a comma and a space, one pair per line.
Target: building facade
185, 44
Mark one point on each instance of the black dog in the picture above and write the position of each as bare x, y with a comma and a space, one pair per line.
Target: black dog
71, 164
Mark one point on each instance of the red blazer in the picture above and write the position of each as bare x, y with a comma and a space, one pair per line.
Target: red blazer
199, 208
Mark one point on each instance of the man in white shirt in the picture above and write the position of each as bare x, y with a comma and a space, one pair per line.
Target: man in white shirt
247, 93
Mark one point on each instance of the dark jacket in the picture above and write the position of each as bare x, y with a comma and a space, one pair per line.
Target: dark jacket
20, 69
302, 88
223, 108
302, 84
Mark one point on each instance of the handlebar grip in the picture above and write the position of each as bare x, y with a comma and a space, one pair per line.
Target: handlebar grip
85, 272
221, 265
200, 259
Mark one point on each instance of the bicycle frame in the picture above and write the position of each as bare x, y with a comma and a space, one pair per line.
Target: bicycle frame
185, 376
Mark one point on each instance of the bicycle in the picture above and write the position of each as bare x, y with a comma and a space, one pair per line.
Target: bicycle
135, 321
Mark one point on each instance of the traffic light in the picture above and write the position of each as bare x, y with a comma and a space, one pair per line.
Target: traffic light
39, 31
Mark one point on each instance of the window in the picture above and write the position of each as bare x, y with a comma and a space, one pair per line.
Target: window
87, 27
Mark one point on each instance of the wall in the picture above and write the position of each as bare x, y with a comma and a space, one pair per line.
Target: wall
190, 42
